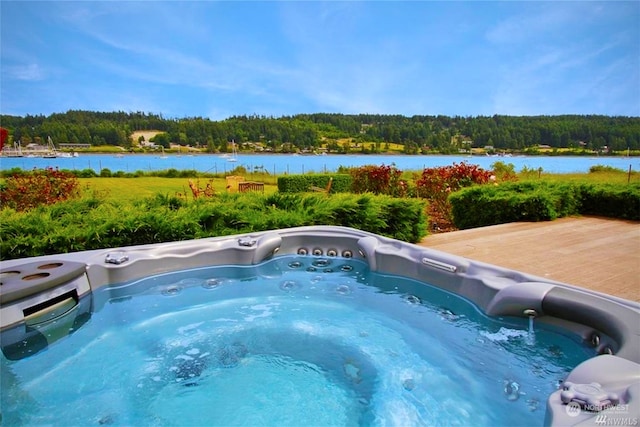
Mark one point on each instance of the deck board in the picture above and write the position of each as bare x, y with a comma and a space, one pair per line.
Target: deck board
600, 254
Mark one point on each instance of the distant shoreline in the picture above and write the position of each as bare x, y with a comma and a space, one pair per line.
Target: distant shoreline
194, 152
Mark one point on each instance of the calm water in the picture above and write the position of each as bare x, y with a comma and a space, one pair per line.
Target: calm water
293, 341
280, 164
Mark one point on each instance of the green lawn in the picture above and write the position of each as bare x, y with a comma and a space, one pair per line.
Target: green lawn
129, 189
594, 177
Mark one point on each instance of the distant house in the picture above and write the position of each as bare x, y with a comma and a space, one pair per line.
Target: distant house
149, 145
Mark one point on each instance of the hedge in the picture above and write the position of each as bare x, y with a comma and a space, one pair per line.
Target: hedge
615, 201
303, 183
91, 223
541, 201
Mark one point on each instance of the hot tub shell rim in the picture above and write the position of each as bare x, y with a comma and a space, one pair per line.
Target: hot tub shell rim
495, 290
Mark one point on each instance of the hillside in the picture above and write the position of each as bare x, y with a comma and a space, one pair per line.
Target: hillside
340, 133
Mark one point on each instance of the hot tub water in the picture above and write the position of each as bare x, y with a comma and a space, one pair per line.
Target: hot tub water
297, 340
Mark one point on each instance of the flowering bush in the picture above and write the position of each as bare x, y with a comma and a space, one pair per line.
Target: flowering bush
435, 184
378, 180
504, 172
40, 187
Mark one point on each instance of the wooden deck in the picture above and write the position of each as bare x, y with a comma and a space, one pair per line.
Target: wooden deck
594, 253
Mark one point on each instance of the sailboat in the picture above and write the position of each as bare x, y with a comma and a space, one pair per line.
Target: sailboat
51, 150
234, 152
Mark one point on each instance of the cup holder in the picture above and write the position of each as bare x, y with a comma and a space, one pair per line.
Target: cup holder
36, 276
50, 266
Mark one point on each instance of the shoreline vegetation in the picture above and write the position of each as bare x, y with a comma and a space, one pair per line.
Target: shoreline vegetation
318, 134
474, 153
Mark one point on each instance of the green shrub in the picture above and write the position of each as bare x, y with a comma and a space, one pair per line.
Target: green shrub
12, 172
86, 173
541, 201
92, 223
303, 183
604, 168
504, 171
175, 173
610, 200
482, 206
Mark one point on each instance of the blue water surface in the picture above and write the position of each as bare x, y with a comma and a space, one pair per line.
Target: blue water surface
297, 340
291, 164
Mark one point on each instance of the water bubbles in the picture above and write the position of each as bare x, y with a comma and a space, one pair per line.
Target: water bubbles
352, 372
555, 351
230, 355
343, 289
533, 404
346, 268
311, 269
289, 286
412, 299
511, 390
185, 283
409, 384
504, 334
211, 283
171, 290
295, 264
449, 315
188, 368
328, 270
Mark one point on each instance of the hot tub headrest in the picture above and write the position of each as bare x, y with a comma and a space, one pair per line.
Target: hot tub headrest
619, 322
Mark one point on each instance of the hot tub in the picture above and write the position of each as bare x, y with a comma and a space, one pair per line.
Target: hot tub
329, 323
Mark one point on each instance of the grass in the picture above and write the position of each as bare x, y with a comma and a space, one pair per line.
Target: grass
610, 177
132, 189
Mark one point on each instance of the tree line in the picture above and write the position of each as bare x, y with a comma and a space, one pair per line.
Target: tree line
336, 132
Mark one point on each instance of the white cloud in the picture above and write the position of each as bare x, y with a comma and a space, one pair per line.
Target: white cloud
538, 22
27, 72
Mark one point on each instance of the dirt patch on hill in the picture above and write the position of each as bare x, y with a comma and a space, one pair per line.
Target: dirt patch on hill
147, 134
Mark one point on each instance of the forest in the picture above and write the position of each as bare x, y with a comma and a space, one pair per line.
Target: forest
337, 133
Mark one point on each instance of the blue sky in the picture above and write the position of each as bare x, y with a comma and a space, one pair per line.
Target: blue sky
218, 59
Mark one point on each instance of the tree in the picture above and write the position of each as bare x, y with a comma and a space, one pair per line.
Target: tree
161, 139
